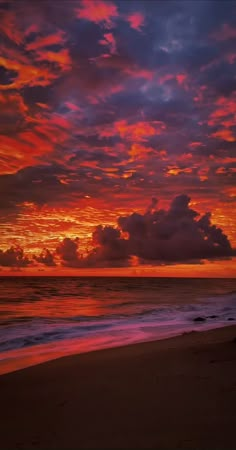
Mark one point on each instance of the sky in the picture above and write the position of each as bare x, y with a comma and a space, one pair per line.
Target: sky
117, 137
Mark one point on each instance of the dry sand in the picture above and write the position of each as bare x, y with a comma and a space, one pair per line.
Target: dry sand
178, 393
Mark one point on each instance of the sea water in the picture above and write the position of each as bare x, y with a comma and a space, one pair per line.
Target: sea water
44, 318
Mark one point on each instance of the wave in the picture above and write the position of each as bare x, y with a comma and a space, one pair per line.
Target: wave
133, 312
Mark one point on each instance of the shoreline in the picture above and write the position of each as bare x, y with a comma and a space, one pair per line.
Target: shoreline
45, 355
172, 393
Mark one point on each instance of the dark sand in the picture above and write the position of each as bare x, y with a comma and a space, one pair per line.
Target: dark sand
177, 393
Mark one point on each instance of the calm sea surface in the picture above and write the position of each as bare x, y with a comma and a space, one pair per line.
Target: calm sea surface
43, 318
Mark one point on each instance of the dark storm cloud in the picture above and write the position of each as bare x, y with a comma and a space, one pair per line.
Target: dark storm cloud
174, 235
67, 250
110, 249
102, 158
46, 258
32, 184
14, 257
53, 184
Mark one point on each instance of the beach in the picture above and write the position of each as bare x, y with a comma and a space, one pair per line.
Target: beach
169, 394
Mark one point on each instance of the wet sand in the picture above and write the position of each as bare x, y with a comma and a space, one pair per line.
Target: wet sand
179, 393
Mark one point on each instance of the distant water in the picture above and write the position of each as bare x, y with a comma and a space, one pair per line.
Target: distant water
43, 318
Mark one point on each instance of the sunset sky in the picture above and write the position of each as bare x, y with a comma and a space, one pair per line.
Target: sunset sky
118, 137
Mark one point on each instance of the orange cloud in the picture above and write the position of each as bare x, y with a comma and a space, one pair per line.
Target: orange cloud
16, 153
62, 58
225, 107
52, 133
27, 75
46, 129
203, 173
98, 11
47, 41
177, 171
136, 20
13, 102
225, 134
223, 159
38, 145
14, 54
185, 157
221, 171
224, 115
49, 127
138, 151
139, 131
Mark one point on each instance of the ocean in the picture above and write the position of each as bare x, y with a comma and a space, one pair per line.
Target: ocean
44, 318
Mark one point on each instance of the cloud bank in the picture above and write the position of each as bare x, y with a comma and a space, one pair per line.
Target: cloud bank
175, 235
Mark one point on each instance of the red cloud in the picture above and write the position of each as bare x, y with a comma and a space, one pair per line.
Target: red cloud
226, 32
124, 65
110, 41
225, 107
9, 27
33, 28
231, 57
195, 144
181, 79
98, 12
136, 72
136, 20
72, 107
94, 99
168, 76
43, 105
